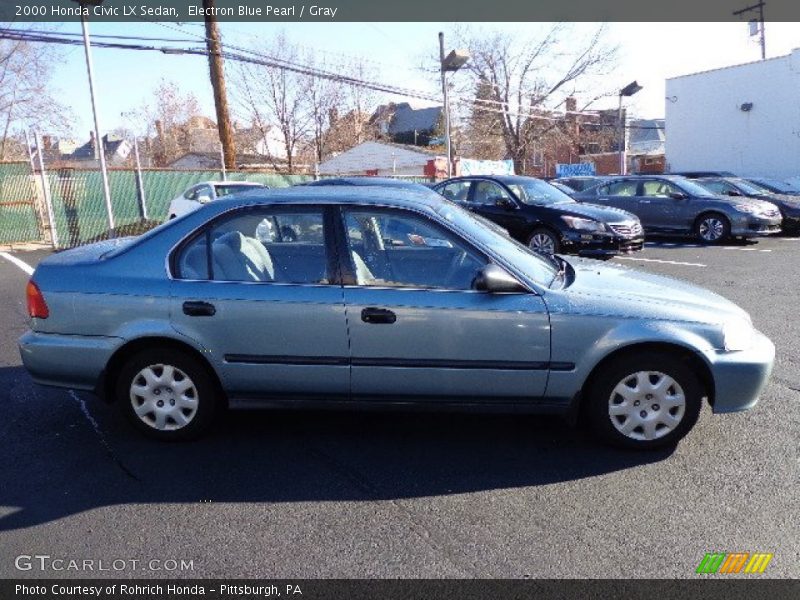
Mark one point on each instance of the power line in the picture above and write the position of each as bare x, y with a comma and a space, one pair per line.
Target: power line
261, 59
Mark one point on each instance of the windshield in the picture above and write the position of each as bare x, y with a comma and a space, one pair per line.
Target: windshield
751, 189
226, 190
538, 268
695, 189
537, 192
781, 186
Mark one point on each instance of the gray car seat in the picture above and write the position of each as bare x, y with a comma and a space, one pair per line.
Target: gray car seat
240, 258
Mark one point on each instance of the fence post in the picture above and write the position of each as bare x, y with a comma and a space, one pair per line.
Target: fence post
48, 199
222, 163
139, 183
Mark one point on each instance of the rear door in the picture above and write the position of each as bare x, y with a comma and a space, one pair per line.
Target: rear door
622, 194
258, 290
417, 328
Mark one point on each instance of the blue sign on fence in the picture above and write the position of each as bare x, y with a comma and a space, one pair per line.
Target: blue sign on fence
575, 170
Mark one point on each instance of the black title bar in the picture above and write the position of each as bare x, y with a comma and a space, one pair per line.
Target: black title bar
407, 10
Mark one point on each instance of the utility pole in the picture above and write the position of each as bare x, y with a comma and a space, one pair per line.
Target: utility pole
99, 148
446, 106
759, 8
452, 62
218, 84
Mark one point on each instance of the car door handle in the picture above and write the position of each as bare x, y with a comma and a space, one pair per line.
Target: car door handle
644, 201
197, 308
376, 316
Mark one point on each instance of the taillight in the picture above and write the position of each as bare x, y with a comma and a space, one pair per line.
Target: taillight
37, 307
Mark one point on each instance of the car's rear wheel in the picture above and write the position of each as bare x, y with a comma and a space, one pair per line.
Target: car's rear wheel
167, 394
544, 241
644, 401
713, 228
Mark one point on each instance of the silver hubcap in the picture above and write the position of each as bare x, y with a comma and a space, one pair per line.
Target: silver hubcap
711, 229
164, 397
542, 242
646, 405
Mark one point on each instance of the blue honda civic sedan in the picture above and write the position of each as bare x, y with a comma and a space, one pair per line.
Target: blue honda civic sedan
373, 297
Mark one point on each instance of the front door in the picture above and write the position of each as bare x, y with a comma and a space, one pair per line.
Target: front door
255, 290
417, 328
491, 200
661, 209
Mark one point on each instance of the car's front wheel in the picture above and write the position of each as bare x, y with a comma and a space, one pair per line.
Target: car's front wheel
167, 394
644, 401
713, 228
544, 241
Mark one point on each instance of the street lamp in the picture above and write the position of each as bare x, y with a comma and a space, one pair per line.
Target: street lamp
452, 63
628, 91
97, 135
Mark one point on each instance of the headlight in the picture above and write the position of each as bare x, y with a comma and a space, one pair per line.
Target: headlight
583, 224
747, 208
737, 334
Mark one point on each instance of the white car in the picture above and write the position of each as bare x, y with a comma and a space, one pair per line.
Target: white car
208, 191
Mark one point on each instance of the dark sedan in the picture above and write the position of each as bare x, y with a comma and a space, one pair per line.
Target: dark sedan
788, 204
776, 186
670, 204
547, 220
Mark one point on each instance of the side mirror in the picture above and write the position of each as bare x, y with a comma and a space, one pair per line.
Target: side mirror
678, 196
495, 280
203, 198
503, 202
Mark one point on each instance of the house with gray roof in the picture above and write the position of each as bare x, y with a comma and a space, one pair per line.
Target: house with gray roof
403, 123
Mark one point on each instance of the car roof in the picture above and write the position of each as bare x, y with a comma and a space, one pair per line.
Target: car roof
500, 178
304, 195
239, 183
364, 181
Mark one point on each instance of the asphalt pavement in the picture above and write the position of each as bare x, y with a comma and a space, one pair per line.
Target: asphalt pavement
313, 494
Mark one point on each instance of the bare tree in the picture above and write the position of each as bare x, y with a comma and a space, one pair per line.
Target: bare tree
270, 97
168, 121
324, 97
523, 82
26, 95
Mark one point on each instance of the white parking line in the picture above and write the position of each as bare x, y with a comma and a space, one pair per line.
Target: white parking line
665, 262
746, 249
22, 265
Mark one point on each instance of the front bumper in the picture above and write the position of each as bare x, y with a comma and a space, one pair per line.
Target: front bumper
70, 361
739, 377
600, 244
753, 226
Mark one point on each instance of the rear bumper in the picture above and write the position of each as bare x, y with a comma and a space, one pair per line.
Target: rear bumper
70, 361
739, 377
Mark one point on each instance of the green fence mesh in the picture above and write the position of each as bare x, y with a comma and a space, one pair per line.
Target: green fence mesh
18, 193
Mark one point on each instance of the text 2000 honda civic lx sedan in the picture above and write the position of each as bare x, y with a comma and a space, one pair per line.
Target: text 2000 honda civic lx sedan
334, 297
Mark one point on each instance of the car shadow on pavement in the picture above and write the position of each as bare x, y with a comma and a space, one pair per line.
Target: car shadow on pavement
60, 460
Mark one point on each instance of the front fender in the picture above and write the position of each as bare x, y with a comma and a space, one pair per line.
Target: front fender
585, 340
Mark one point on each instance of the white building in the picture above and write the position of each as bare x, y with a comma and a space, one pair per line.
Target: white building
384, 159
744, 119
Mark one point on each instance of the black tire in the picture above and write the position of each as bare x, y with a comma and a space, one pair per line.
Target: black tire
712, 228
603, 384
204, 392
540, 232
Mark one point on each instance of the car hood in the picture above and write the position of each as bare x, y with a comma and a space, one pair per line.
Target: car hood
605, 214
601, 288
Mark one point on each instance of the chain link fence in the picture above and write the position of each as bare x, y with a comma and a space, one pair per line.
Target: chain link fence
66, 207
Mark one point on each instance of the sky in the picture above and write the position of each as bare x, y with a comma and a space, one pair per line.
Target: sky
647, 52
